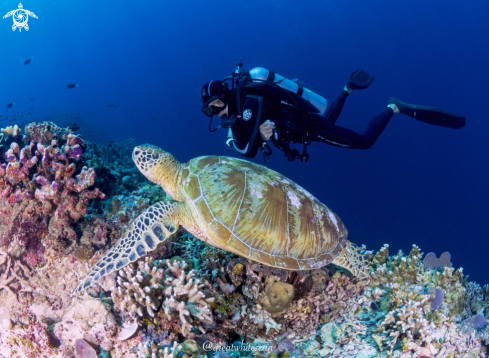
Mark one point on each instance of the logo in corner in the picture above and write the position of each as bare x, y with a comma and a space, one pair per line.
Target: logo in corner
247, 114
20, 17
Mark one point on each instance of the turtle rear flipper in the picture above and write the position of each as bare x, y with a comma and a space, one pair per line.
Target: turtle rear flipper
153, 226
353, 260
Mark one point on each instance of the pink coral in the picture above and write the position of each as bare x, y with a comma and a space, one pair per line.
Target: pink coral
38, 185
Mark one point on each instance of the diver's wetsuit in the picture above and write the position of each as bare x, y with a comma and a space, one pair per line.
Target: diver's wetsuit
290, 126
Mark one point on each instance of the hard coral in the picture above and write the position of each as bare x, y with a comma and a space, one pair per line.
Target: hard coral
154, 351
141, 292
278, 296
184, 297
40, 191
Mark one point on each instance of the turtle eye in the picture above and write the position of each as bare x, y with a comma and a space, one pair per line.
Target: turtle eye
137, 152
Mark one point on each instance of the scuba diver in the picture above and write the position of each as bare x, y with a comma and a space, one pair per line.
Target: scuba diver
262, 105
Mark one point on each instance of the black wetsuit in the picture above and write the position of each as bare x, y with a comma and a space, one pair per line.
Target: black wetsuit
291, 127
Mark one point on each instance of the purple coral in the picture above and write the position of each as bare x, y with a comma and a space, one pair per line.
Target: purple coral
37, 177
479, 322
437, 299
432, 262
74, 152
84, 350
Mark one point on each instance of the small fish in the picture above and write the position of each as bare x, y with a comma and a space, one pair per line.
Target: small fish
110, 145
32, 99
72, 85
111, 141
74, 127
153, 119
110, 105
9, 105
28, 113
28, 61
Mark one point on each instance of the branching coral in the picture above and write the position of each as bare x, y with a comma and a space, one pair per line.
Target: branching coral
42, 196
185, 298
141, 292
406, 323
9, 131
154, 351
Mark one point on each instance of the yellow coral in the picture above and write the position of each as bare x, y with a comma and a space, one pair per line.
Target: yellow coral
278, 296
238, 269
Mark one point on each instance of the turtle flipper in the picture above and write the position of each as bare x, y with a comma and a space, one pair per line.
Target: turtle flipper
353, 260
153, 226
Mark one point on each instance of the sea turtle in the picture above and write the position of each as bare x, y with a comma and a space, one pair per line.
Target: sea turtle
238, 206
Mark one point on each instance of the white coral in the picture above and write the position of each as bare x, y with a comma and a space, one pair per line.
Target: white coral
184, 297
153, 351
141, 292
407, 320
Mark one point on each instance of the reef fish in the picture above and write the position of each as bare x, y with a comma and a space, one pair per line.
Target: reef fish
27, 61
110, 105
9, 105
72, 85
32, 99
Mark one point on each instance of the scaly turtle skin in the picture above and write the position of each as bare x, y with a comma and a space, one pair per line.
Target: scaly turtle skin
235, 205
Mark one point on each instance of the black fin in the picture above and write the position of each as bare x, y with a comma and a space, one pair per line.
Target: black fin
359, 80
430, 115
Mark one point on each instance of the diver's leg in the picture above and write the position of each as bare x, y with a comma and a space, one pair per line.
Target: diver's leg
358, 80
323, 131
334, 110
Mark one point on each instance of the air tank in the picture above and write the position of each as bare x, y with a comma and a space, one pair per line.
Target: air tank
318, 102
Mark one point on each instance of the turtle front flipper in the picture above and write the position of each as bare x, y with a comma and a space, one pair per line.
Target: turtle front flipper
153, 226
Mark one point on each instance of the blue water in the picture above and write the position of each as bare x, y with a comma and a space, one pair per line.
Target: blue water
419, 184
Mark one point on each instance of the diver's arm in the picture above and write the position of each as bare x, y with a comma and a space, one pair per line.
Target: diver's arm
247, 149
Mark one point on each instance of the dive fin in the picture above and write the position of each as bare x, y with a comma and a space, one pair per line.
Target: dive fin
430, 115
359, 80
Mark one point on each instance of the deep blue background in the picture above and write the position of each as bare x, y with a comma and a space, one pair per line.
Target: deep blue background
419, 184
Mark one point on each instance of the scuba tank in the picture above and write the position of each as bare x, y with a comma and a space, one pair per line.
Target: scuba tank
270, 84
306, 99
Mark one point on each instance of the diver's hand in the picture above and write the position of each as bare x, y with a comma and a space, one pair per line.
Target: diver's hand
266, 129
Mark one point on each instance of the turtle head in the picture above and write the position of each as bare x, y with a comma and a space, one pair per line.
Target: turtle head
146, 157
159, 166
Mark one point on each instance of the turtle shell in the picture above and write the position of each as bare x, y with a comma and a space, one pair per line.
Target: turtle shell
258, 213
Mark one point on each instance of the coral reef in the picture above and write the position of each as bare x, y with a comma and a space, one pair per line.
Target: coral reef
188, 295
